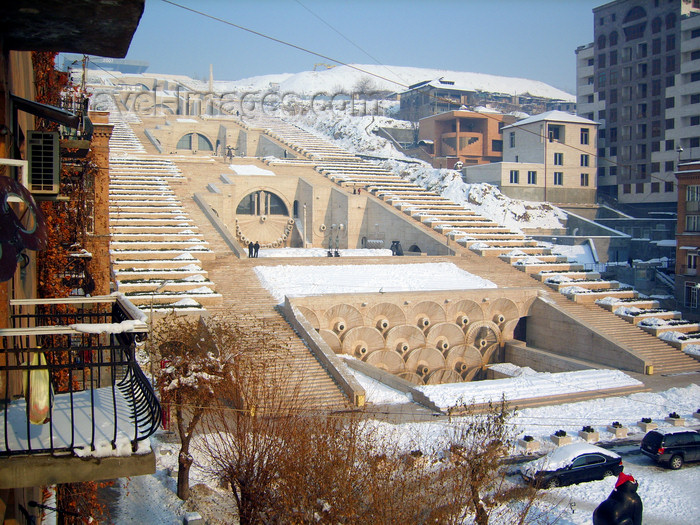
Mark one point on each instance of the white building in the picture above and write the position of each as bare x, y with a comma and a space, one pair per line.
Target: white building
549, 157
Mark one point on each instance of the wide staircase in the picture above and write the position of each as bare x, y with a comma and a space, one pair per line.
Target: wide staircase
156, 249
583, 294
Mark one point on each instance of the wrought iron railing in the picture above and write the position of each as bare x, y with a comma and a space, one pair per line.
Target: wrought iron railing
69, 380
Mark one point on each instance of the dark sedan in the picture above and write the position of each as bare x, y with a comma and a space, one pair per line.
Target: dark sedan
571, 464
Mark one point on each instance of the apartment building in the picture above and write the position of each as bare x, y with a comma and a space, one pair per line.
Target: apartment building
548, 157
637, 79
74, 404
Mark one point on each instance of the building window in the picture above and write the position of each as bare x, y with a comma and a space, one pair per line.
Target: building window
613, 134
692, 193
584, 160
670, 42
642, 50
584, 136
668, 186
671, 81
613, 57
656, 66
655, 167
532, 177
626, 188
584, 179
613, 36
668, 165
514, 176
691, 295
558, 159
655, 87
691, 261
694, 142
694, 77
670, 102
695, 98
670, 145
641, 90
558, 178
639, 187
656, 145
692, 223
655, 187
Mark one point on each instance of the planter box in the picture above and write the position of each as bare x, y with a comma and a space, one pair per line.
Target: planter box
529, 446
676, 421
589, 437
618, 432
560, 440
646, 427
696, 415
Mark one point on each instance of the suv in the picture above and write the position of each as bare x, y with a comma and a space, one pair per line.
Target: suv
672, 447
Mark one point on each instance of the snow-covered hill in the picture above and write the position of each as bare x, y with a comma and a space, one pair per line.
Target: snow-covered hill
390, 78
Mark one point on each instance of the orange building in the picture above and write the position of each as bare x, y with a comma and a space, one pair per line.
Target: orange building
464, 136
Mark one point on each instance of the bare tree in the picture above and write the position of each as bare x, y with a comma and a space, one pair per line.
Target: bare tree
199, 357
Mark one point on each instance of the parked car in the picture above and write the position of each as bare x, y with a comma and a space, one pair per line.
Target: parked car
672, 447
571, 464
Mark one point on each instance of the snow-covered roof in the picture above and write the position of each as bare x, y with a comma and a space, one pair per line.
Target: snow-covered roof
554, 116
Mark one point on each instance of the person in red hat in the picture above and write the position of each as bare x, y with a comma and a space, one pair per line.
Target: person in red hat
623, 506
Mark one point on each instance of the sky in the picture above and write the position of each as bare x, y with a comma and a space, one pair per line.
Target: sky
534, 39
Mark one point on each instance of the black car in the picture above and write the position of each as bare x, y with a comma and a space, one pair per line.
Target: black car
672, 447
571, 464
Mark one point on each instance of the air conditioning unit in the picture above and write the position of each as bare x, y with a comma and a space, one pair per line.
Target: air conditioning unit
44, 164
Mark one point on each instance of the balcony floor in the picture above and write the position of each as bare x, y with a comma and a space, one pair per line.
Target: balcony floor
77, 432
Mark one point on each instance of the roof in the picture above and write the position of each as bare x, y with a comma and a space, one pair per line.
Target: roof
555, 116
78, 26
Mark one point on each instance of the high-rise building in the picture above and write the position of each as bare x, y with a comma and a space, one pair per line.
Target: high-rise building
640, 78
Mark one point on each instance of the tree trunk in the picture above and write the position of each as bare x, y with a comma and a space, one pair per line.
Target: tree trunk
183, 475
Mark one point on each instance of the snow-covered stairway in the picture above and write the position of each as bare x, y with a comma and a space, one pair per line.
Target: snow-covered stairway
246, 301
156, 249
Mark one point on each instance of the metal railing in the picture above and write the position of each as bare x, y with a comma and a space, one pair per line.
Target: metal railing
69, 380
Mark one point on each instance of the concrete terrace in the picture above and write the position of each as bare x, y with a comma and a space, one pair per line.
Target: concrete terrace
482, 247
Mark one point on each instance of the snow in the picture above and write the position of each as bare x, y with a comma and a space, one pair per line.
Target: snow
289, 280
322, 252
669, 497
391, 78
580, 253
527, 385
250, 170
128, 325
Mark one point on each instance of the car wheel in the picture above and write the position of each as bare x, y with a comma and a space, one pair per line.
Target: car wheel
554, 482
676, 462
608, 473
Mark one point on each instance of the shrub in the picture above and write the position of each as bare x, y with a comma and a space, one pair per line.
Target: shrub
528, 438
674, 415
560, 433
588, 428
646, 420
616, 424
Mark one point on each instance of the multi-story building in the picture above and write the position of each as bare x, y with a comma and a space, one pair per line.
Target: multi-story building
462, 136
432, 97
548, 157
637, 78
687, 280
74, 404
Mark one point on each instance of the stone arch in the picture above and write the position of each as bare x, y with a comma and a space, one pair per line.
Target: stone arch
262, 202
194, 141
415, 249
635, 13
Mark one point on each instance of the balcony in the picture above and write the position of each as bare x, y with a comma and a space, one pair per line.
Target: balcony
90, 408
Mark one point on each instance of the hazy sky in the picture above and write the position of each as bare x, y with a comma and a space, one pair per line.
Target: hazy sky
533, 39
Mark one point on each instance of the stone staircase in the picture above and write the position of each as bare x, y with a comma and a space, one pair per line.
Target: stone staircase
487, 239
156, 249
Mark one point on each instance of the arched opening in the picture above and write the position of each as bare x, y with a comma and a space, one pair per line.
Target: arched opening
262, 203
188, 141
415, 249
635, 13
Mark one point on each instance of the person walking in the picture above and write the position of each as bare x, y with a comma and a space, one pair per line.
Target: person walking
256, 249
251, 250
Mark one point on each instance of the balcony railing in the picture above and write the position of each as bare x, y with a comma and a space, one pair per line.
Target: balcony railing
69, 380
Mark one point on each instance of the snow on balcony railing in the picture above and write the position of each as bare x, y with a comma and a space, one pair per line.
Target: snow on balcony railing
69, 380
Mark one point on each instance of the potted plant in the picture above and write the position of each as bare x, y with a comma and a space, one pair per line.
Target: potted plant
589, 434
529, 444
617, 429
675, 420
560, 438
646, 424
